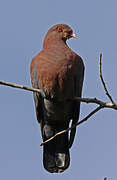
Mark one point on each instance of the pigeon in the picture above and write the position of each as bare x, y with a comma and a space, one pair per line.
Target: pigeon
59, 73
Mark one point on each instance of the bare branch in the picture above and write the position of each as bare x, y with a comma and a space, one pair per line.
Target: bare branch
77, 124
104, 85
96, 101
19, 86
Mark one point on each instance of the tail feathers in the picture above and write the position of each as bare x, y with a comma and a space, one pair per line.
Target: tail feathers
56, 157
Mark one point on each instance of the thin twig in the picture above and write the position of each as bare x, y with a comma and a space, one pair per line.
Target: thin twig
96, 101
77, 124
104, 85
19, 86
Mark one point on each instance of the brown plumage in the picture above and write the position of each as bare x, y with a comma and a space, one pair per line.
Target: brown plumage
59, 73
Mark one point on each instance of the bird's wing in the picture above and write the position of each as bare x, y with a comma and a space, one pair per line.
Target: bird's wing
38, 99
56, 157
78, 83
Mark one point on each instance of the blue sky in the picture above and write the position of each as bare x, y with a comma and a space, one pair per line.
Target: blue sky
23, 25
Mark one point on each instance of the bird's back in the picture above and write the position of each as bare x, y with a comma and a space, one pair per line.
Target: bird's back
56, 70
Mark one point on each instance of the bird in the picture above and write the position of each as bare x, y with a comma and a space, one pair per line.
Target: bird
59, 73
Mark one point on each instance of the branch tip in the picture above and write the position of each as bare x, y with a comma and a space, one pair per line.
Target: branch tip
102, 80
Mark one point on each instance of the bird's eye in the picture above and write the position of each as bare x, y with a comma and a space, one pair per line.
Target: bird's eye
59, 29
70, 32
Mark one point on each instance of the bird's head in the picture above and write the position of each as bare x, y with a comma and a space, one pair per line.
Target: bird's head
60, 31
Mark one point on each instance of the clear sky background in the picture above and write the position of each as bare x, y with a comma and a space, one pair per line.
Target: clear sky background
23, 25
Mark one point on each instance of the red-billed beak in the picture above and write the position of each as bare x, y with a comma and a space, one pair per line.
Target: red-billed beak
73, 35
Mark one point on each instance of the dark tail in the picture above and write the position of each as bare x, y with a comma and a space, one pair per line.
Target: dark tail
56, 157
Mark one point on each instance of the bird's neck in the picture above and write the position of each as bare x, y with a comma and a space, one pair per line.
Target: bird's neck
53, 42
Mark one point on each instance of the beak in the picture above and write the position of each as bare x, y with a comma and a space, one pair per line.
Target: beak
73, 35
